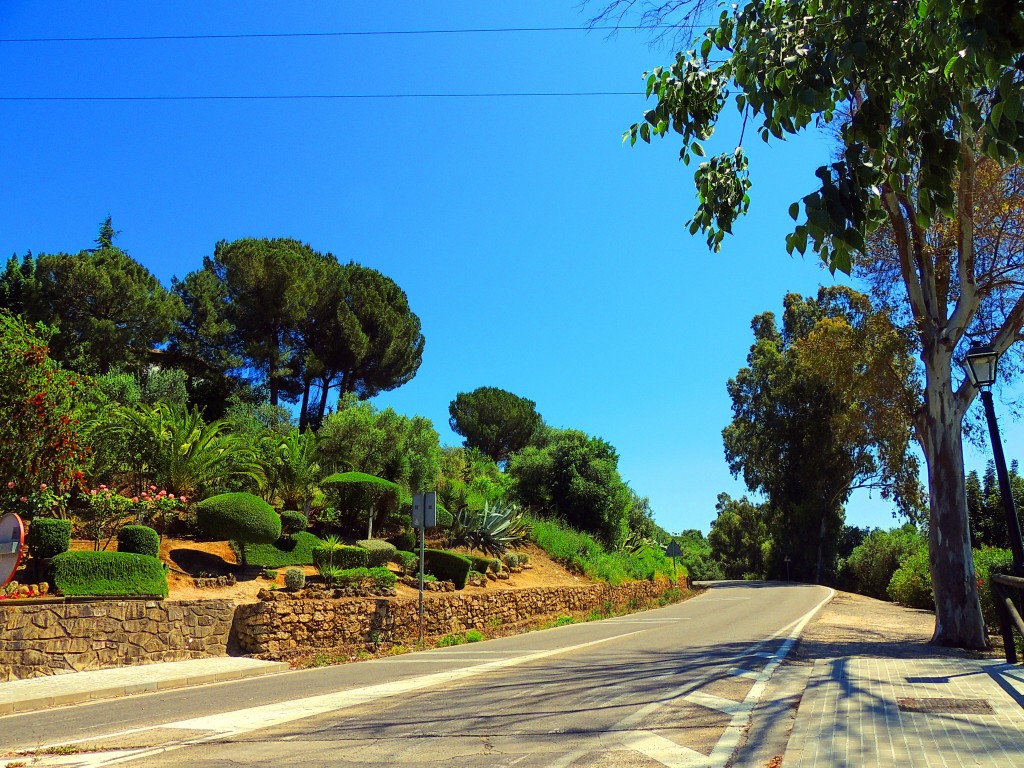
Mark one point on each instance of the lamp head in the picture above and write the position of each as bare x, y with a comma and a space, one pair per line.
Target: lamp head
980, 365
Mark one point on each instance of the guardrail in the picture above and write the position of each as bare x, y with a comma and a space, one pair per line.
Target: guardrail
1009, 616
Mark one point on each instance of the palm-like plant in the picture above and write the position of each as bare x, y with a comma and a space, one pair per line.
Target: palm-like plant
492, 529
184, 454
293, 470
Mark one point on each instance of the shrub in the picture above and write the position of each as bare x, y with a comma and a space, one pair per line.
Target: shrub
380, 578
480, 564
987, 561
911, 585
511, 559
474, 636
296, 549
409, 561
77, 574
293, 521
270, 574
47, 537
495, 565
448, 566
870, 567
331, 574
140, 539
405, 541
379, 552
239, 517
523, 558
449, 640
352, 557
294, 579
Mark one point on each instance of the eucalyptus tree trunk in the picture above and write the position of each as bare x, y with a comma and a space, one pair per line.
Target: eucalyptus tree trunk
958, 618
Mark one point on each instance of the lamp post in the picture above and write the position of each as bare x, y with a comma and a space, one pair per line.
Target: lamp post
980, 365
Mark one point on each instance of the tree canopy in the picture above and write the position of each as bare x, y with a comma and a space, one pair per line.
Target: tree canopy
494, 421
922, 92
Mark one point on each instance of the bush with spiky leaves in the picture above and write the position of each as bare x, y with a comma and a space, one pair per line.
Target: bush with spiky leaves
492, 529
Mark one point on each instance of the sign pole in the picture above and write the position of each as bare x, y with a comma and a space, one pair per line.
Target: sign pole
423, 535
424, 515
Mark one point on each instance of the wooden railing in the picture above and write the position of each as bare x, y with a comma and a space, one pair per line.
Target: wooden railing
1009, 616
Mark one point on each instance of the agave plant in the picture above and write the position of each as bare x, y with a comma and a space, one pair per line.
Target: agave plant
492, 529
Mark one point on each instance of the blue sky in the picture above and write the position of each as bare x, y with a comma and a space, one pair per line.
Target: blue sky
542, 255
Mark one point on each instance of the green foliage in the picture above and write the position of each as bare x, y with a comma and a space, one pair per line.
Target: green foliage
989, 561
368, 496
582, 553
469, 479
293, 549
474, 635
492, 529
294, 578
332, 552
911, 584
239, 517
377, 578
140, 539
820, 409
108, 309
871, 566
379, 552
270, 574
41, 442
574, 477
738, 536
480, 564
106, 511
449, 640
447, 566
77, 574
985, 505
48, 537
293, 522
511, 559
409, 561
291, 467
700, 562
494, 421
405, 541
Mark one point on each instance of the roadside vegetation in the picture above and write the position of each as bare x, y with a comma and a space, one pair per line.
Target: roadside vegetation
235, 406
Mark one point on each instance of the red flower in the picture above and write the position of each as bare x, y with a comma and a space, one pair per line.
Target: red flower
10, 484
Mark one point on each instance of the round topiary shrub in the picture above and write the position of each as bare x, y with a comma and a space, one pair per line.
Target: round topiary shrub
293, 521
140, 539
294, 579
48, 537
239, 517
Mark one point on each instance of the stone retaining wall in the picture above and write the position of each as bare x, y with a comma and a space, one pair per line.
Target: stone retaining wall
282, 624
48, 639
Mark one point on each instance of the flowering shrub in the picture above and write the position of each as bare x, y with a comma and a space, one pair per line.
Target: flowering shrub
41, 446
42, 502
109, 510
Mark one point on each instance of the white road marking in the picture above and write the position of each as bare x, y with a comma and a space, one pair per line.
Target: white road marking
747, 673
665, 751
729, 706
226, 725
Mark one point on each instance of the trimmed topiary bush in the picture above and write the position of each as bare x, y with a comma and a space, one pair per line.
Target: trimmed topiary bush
79, 574
379, 552
140, 539
296, 549
293, 521
409, 561
239, 517
48, 537
334, 554
480, 564
448, 566
294, 579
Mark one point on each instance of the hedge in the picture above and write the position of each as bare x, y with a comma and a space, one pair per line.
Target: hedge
296, 549
409, 561
405, 541
239, 517
480, 564
340, 557
293, 521
447, 566
48, 537
140, 539
379, 552
78, 574
382, 578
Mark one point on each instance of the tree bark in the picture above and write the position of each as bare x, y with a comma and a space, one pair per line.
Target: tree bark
958, 619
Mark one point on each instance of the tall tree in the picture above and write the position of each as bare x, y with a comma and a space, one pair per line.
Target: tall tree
739, 537
820, 410
108, 309
494, 421
930, 88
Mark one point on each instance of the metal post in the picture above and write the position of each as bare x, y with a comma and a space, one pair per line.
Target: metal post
423, 535
1012, 522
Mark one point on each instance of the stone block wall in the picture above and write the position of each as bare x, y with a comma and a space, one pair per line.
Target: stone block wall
47, 639
283, 624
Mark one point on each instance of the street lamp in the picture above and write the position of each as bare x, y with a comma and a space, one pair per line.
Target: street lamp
980, 365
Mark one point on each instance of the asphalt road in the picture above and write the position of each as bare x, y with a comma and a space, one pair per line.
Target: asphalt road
668, 687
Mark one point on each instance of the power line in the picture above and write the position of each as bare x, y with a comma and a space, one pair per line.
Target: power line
355, 33
326, 96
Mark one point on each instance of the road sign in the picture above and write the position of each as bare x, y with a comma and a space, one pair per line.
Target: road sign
673, 549
424, 510
12, 544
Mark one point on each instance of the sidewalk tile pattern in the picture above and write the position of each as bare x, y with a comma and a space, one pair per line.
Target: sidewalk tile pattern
850, 718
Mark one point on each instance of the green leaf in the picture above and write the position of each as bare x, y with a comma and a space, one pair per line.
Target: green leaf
697, 149
794, 211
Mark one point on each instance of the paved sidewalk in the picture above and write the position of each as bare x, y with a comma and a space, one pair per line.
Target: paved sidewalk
76, 687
